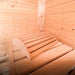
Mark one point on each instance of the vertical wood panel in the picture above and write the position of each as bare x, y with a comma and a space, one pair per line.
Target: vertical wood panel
41, 13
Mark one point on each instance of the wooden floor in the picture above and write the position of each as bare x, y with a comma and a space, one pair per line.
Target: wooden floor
47, 56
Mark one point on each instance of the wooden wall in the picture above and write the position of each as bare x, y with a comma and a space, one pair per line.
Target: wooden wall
60, 20
19, 19
41, 13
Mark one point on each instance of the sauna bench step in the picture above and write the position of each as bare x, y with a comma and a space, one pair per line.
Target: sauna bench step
45, 48
61, 66
27, 66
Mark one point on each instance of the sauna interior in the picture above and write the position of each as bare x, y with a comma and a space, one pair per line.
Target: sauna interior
37, 37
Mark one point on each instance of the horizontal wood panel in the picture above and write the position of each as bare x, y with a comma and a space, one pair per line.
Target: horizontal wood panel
60, 15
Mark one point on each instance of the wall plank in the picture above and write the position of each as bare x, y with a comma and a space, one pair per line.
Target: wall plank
20, 19
60, 20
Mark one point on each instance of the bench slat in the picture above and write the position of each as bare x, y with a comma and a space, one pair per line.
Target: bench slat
40, 45
38, 41
34, 39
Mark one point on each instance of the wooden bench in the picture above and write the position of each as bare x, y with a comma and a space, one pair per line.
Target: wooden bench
38, 50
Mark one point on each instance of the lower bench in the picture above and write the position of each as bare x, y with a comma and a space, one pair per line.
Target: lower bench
26, 66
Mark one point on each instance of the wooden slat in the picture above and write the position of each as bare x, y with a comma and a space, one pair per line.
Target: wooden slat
21, 47
27, 66
32, 36
58, 44
4, 68
12, 70
38, 41
34, 39
4, 58
40, 45
19, 55
41, 50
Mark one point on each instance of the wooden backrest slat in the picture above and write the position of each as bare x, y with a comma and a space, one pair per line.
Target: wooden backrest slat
37, 38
